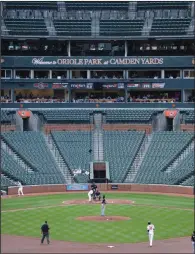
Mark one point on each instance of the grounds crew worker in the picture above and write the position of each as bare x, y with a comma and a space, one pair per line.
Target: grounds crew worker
193, 241
45, 232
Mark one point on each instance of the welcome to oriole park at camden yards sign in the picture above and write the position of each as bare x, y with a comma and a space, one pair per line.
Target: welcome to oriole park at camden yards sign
133, 62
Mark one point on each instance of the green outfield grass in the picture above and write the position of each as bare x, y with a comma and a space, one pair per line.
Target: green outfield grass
169, 222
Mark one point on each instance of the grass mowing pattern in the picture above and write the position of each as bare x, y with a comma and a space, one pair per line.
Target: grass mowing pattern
169, 222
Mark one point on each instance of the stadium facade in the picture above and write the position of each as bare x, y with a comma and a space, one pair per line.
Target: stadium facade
90, 51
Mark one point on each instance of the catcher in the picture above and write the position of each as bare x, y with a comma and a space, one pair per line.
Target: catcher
97, 195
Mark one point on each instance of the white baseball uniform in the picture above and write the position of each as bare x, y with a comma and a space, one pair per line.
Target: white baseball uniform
150, 229
89, 195
20, 189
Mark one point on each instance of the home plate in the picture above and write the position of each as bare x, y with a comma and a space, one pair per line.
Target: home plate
110, 246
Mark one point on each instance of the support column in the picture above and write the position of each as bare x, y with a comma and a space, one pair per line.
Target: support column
12, 95
68, 74
126, 93
13, 73
69, 93
126, 49
31, 74
124, 74
68, 49
50, 74
88, 74
182, 95
162, 73
181, 73
127, 74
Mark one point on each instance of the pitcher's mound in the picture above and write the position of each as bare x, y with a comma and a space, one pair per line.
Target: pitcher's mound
109, 201
102, 218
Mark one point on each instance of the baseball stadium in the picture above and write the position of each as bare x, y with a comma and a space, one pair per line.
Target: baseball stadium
97, 126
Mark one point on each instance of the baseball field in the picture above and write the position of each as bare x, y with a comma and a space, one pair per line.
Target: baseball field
68, 216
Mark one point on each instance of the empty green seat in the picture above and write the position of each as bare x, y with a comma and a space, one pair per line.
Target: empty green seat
26, 26
120, 149
164, 148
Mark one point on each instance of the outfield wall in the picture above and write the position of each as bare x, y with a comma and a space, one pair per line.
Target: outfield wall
33, 189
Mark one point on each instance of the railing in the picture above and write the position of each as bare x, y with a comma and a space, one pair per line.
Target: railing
140, 151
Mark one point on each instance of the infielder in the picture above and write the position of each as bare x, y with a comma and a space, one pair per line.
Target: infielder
20, 189
90, 193
103, 206
150, 230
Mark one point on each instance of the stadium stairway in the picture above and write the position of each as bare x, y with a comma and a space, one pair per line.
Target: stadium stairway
138, 159
97, 138
60, 161
50, 26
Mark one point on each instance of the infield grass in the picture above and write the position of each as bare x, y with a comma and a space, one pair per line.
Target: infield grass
169, 222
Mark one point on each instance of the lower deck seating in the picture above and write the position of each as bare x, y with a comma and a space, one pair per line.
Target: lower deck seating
183, 170
16, 172
120, 148
74, 146
163, 149
32, 148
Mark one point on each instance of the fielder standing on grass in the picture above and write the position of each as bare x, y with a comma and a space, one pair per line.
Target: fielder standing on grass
150, 230
45, 232
193, 241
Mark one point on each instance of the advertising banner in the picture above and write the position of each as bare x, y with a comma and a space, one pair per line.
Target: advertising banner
40, 85
82, 86
114, 86
158, 85
114, 187
134, 85
77, 187
59, 85
146, 85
